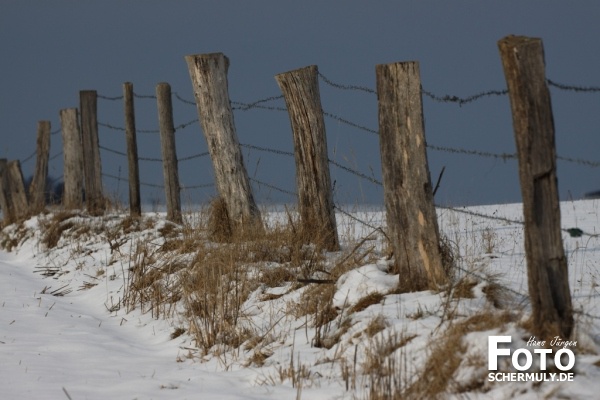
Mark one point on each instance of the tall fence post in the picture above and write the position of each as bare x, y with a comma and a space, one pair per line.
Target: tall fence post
533, 124
38, 189
168, 151
72, 159
208, 73
135, 208
91, 153
410, 212
315, 198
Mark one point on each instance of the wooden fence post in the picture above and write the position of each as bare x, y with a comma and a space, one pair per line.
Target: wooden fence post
18, 194
411, 217
135, 208
169, 153
315, 198
38, 189
208, 73
13, 198
5, 204
547, 269
91, 153
72, 159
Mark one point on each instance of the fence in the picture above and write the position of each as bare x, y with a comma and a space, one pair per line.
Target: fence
267, 105
109, 146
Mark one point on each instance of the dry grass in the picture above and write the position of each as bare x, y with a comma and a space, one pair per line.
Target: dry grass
384, 374
367, 301
219, 223
8, 241
446, 355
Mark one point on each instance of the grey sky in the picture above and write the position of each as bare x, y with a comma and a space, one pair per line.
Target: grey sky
50, 50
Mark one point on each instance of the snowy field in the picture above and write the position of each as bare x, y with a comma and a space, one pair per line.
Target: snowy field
65, 334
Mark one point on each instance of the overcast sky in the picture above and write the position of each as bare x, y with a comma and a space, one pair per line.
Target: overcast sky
50, 50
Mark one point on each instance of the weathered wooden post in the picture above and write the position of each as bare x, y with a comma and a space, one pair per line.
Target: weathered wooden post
13, 198
547, 270
5, 204
168, 151
315, 198
208, 73
135, 207
410, 212
91, 152
37, 189
18, 195
72, 159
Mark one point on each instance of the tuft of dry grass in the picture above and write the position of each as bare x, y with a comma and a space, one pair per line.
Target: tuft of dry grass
219, 223
367, 301
375, 326
384, 370
446, 355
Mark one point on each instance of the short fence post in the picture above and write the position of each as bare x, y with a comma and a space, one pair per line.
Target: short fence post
38, 189
208, 73
13, 198
135, 208
5, 203
18, 195
315, 198
547, 269
169, 154
72, 159
411, 217
91, 153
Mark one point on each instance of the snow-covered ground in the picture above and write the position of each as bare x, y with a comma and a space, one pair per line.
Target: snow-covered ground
66, 336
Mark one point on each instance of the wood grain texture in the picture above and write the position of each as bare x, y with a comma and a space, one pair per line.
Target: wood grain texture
72, 159
410, 212
547, 270
169, 152
37, 189
208, 73
300, 89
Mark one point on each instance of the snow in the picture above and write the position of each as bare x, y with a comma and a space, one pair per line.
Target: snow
68, 335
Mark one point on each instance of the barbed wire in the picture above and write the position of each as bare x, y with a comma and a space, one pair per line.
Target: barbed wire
159, 186
457, 150
110, 98
185, 101
186, 124
121, 179
357, 173
248, 106
593, 164
29, 157
60, 153
151, 159
122, 129
238, 105
350, 123
199, 155
573, 88
268, 150
144, 96
356, 219
345, 87
463, 100
273, 187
